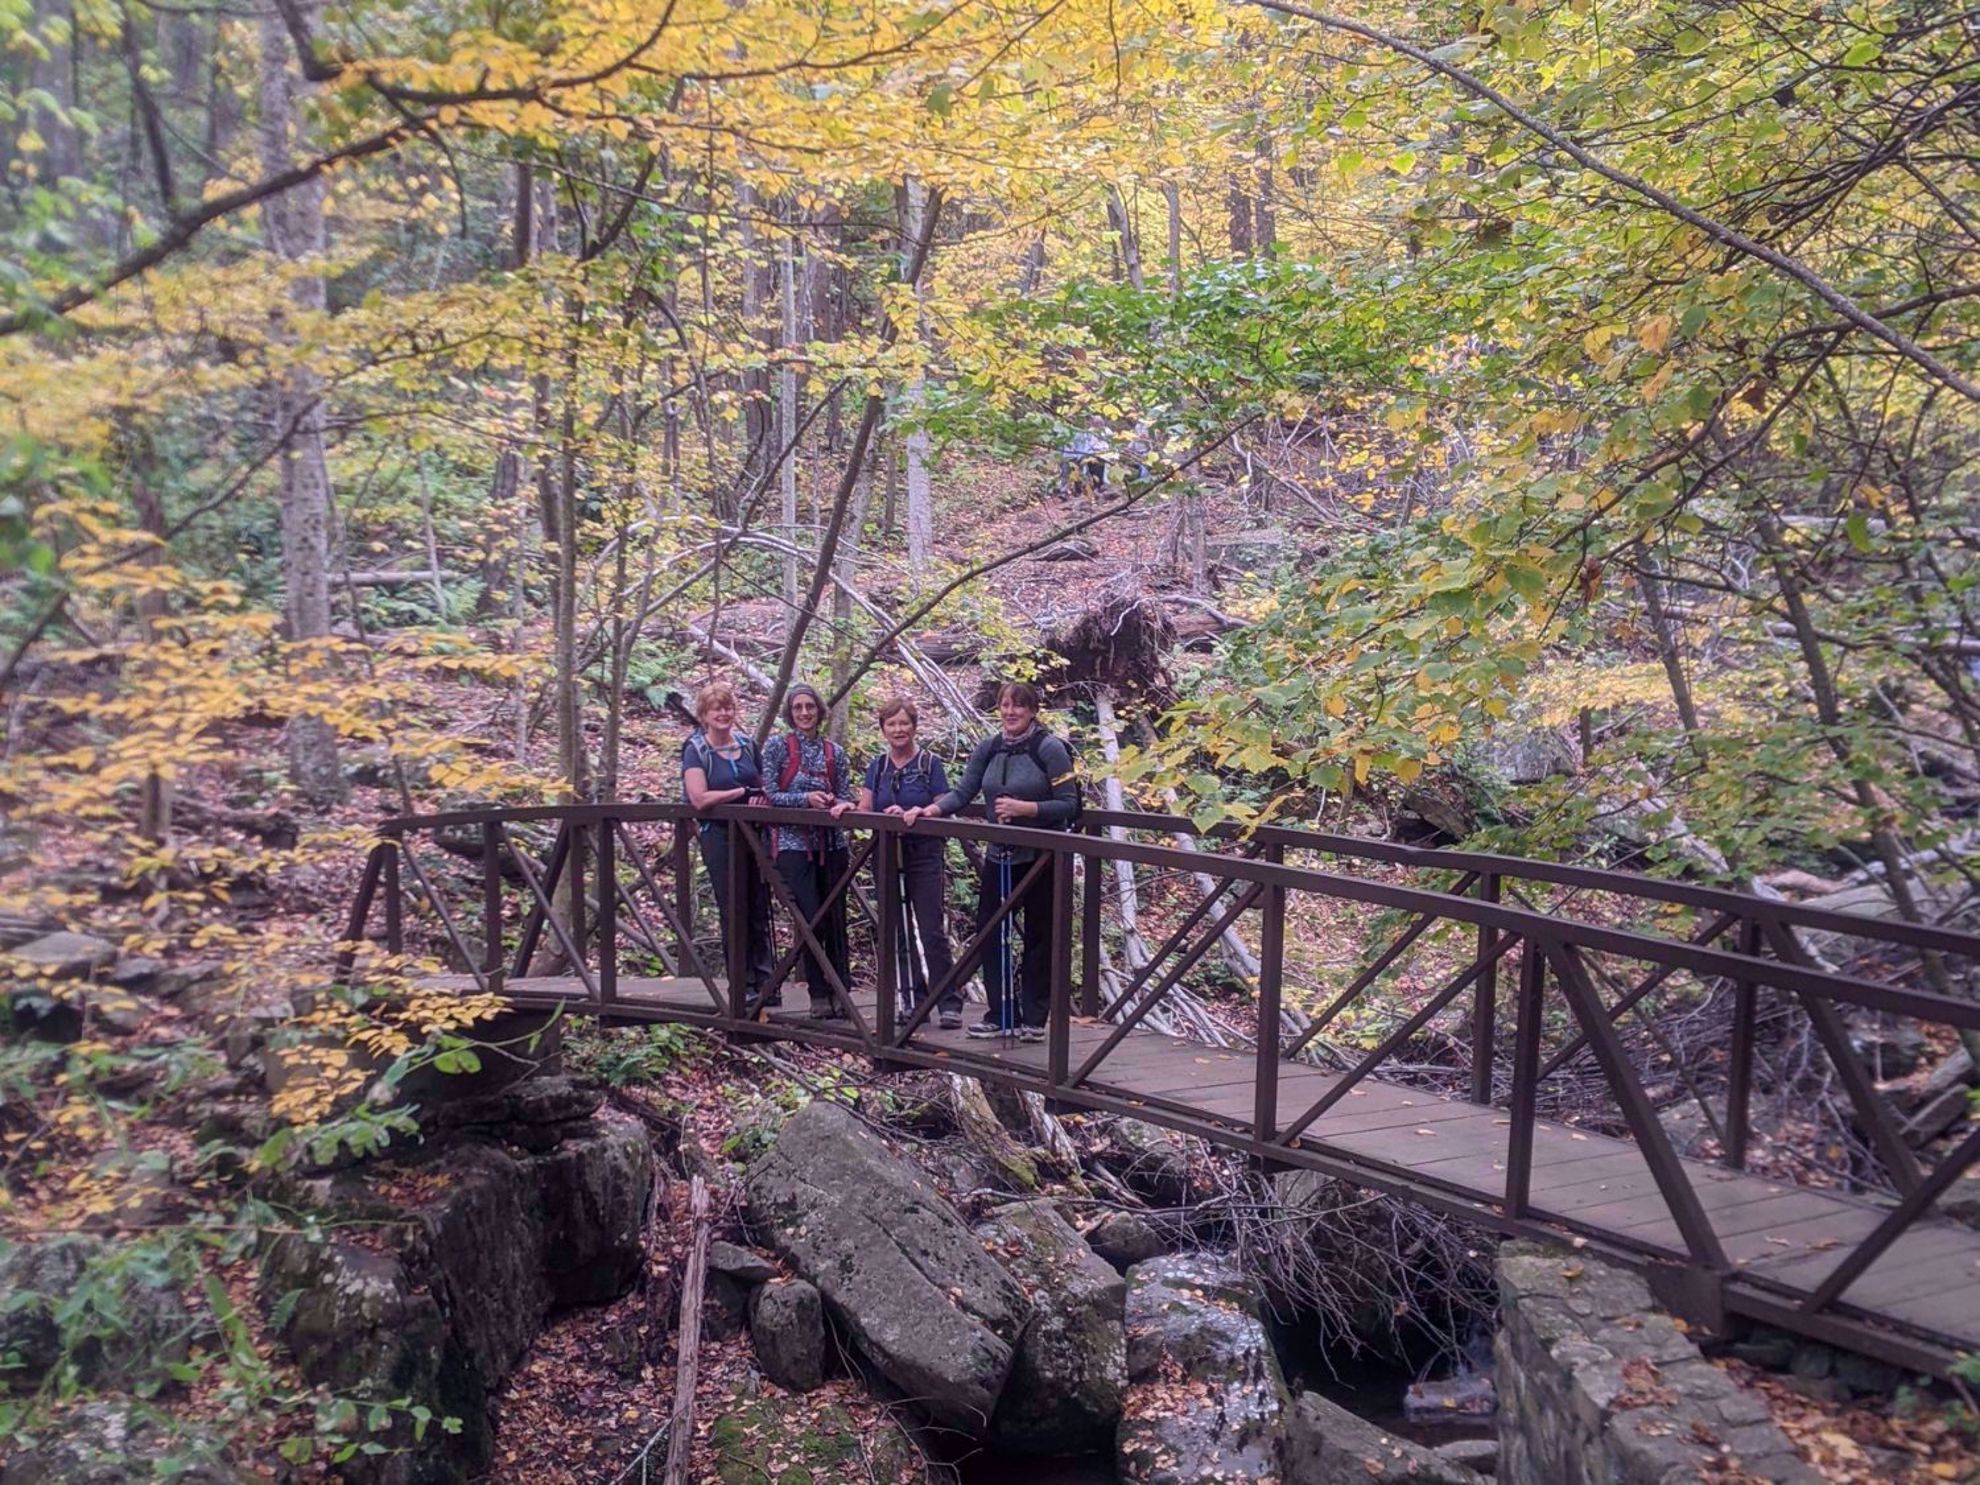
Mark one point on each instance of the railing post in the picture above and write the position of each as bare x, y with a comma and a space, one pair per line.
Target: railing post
1525, 1077
575, 865
374, 867
735, 935
1271, 971
1058, 1018
395, 932
491, 906
684, 889
1485, 1007
890, 962
1089, 940
608, 914
1739, 1075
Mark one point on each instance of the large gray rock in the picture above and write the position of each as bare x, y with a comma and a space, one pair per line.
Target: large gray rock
127, 1338
1326, 1445
787, 1326
1152, 1160
903, 1277
1125, 1239
120, 1443
1064, 1394
356, 1325
744, 1265
64, 956
591, 1195
1526, 755
56, 1012
1205, 1400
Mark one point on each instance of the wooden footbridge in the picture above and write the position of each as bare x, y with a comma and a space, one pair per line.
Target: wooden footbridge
1536, 970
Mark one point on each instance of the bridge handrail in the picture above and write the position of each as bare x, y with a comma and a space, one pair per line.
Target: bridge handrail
1700, 959
1923, 936
1593, 878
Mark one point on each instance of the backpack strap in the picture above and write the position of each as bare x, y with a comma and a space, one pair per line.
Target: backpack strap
794, 760
705, 753
1035, 746
922, 768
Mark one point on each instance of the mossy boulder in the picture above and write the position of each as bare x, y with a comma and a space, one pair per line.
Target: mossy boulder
443, 1271
1064, 1394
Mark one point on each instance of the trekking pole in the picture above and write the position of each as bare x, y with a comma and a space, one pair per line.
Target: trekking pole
1005, 1019
905, 977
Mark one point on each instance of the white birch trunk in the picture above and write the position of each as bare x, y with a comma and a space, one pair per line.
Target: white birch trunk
787, 419
293, 230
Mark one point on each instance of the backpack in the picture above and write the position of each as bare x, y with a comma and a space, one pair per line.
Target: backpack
922, 768
794, 760
699, 743
1035, 747
697, 747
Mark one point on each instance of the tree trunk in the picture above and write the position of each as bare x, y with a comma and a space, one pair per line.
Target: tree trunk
1265, 220
1122, 223
845, 580
1172, 194
920, 499
1667, 652
1240, 220
787, 413
1828, 710
1034, 267
292, 225
758, 430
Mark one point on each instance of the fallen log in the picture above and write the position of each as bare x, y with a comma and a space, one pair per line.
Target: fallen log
687, 1353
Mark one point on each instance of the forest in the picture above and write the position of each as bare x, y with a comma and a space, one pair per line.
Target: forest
1546, 430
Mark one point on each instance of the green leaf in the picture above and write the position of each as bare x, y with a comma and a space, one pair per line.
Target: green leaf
1857, 529
1864, 52
1689, 43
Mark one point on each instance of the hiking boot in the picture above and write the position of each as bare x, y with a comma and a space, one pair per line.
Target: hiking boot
951, 1020
986, 1030
1031, 1033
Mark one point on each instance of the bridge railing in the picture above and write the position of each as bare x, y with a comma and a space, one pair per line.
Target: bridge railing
616, 876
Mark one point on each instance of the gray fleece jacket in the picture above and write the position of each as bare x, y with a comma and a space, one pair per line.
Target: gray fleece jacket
1000, 766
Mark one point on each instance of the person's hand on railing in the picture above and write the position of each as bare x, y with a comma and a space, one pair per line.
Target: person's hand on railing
908, 817
840, 808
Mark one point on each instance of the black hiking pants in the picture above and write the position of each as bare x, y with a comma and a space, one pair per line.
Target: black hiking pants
757, 960
811, 877
1021, 944
925, 880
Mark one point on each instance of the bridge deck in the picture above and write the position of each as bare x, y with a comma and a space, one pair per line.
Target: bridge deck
1783, 1239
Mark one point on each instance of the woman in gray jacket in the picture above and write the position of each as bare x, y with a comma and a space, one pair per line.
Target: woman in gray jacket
1026, 777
